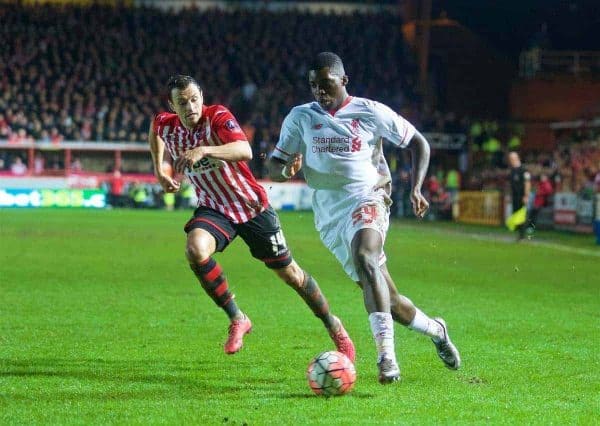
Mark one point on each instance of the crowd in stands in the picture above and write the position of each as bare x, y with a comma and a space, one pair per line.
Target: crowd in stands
573, 166
98, 74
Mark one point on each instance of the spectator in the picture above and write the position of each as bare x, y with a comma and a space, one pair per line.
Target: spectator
4, 127
55, 136
18, 168
138, 195
543, 194
453, 183
20, 136
116, 197
433, 184
38, 164
441, 204
76, 165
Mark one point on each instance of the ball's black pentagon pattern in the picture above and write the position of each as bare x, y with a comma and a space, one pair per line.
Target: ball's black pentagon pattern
331, 373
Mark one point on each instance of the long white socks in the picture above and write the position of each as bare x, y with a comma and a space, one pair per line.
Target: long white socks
425, 325
382, 326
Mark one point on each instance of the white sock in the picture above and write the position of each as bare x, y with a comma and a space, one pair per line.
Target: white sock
425, 325
382, 326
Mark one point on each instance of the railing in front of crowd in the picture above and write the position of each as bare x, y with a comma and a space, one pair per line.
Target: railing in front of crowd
275, 6
534, 62
66, 148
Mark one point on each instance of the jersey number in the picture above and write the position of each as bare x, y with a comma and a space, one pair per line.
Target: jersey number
278, 242
364, 214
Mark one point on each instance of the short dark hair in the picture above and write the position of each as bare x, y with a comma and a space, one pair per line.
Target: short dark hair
328, 60
180, 82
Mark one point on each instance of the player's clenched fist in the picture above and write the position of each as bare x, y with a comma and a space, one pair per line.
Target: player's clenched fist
293, 166
419, 203
167, 183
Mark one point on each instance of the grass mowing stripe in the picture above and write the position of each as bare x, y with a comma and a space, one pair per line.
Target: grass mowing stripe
102, 322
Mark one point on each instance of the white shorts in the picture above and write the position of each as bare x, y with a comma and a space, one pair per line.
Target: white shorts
339, 220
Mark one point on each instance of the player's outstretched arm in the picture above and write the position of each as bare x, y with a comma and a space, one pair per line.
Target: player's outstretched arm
280, 171
420, 151
157, 149
231, 152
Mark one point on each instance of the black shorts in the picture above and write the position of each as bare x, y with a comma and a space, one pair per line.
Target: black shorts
263, 234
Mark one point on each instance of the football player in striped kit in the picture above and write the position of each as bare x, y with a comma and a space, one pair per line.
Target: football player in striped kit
338, 142
207, 144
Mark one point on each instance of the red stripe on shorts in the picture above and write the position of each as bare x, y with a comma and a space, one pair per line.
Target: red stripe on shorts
275, 259
210, 222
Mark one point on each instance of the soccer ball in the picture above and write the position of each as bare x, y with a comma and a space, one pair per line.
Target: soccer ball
331, 373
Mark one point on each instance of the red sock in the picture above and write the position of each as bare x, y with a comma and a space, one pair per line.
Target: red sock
210, 275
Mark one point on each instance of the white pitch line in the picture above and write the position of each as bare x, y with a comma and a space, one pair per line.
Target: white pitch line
511, 240
540, 243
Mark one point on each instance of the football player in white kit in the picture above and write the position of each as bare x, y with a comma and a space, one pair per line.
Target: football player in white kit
337, 140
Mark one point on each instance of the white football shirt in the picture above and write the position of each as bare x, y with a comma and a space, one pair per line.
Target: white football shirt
343, 162
342, 150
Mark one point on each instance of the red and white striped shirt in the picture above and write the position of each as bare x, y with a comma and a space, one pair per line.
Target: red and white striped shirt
227, 187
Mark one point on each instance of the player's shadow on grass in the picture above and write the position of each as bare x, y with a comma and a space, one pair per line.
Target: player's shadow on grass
310, 395
107, 379
100, 379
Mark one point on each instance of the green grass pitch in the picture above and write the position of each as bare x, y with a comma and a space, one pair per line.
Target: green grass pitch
101, 322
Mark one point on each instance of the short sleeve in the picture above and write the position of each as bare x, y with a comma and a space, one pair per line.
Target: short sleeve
226, 127
392, 126
289, 138
157, 122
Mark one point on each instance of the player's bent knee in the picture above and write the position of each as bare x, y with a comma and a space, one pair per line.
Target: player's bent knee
366, 262
198, 249
292, 274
